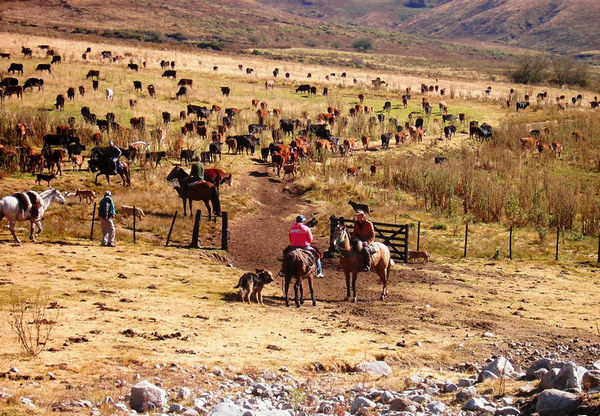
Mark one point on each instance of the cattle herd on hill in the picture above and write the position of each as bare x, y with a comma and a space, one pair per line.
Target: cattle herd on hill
336, 131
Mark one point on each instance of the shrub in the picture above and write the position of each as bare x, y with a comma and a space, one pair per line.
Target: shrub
31, 322
530, 69
362, 44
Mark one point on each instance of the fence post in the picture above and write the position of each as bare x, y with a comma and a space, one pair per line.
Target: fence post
510, 243
418, 235
466, 238
406, 243
196, 230
134, 224
224, 231
598, 248
93, 220
171, 229
557, 237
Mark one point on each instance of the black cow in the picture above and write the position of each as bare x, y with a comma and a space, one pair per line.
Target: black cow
449, 131
245, 142
187, 155
185, 81
440, 159
387, 106
34, 82
137, 85
325, 91
155, 157
381, 118
522, 105
419, 122
200, 111
303, 88
287, 125
313, 90
56, 59
448, 118
103, 125
484, 132
225, 91
385, 140
106, 54
473, 126
95, 84
133, 67
44, 67
60, 102
5, 55
15, 67
8, 81
92, 73
166, 117
71, 93
27, 52
62, 140
182, 91
215, 149
75, 148
170, 73
256, 128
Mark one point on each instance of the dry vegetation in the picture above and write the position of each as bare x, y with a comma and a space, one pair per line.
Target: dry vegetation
180, 305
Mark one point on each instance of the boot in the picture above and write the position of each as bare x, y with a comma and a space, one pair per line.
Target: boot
367, 260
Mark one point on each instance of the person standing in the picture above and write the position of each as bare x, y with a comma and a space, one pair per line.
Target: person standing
114, 153
301, 237
365, 234
107, 212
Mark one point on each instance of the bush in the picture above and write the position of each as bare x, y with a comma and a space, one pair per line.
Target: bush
530, 69
29, 320
362, 44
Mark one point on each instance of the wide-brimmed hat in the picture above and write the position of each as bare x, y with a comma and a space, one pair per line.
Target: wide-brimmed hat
300, 218
360, 212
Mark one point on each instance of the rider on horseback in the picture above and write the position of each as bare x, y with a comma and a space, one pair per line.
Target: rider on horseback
114, 153
301, 237
365, 234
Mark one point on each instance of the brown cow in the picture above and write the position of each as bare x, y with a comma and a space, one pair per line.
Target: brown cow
255, 103
366, 139
529, 143
373, 169
290, 169
353, 170
361, 98
231, 145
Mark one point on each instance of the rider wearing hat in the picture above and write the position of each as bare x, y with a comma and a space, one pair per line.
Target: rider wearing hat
365, 234
114, 153
301, 237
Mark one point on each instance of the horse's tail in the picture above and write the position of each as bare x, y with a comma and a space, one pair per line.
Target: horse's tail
216, 202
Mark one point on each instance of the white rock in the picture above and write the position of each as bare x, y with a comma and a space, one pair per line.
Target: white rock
376, 367
437, 407
360, 402
184, 393
227, 408
146, 396
555, 402
508, 411
27, 402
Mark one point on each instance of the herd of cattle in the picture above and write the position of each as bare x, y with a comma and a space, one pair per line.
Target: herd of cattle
330, 133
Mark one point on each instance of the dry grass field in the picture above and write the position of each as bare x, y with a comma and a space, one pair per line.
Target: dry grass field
140, 308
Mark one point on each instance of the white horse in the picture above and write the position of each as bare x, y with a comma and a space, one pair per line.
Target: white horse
10, 207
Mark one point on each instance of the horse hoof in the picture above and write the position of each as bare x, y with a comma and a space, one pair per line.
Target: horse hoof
314, 303
297, 305
346, 299
354, 300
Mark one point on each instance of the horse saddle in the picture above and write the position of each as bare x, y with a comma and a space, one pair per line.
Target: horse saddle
29, 201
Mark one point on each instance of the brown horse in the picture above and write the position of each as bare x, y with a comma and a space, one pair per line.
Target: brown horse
301, 265
195, 191
351, 261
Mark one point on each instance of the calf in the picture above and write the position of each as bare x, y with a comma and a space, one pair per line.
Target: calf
77, 161
449, 131
155, 157
56, 59
225, 91
60, 102
353, 170
522, 105
187, 155
71, 93
44, 67
290, 169
109, 94
15, 67
137, 85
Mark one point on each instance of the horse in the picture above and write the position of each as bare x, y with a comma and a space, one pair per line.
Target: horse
350, 260
195, 191
19, 207
301, 265
106, 167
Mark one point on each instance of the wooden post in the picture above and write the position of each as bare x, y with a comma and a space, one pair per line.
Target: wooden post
598, 248
171, 229
557, 237
196, 231
466, 238
418, 235
406, 243
510, 243
134, 224
224, 231
93, 220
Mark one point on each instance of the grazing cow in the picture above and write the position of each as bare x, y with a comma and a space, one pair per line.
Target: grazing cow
13, 89
473, 126
373, 169
557, 147
303, 88
387, 106
269, 84
185, 82
225, 91
56, 59
95, 84
484, 132
106, 54
15, 67
385, 140
155, 157
419, 123
137, 123
381, 118
400, 138
448, 118
5, 55
54, 157
249, 71
215, 149
109, 94
27, 52
353, 170
356, 206
522, 105
215, 68
313, 90
562, 106
34, 82
82, 90
201, 130
93, 74
440, 159
182, 91
166, 117
132, 103
449, 131
462, 117
151, 90
200, 111
44, 67
60, 102
287, 125
75, 148
187, 155
256, 128
169, 73
361, 98
133, 67
137, 85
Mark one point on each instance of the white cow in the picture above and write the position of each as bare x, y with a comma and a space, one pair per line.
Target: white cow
109, 94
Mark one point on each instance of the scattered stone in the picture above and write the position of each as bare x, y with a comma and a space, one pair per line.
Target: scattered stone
27, 402
401, 404
466, 394
477, 404
176, 408
450, 387
569, 377
465, 382
590, 380
547, 380
227, 408
507, 411
387, 397
437, 407
184, 393
361, 402
145, 396
500, 367
376, 367
554, 402
190, 412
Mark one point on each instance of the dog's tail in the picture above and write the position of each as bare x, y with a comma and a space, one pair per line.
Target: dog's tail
239, 283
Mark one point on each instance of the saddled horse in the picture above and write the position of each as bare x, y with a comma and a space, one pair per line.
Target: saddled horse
28, 206
105, 166
299, 264
351, 261
190, 190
